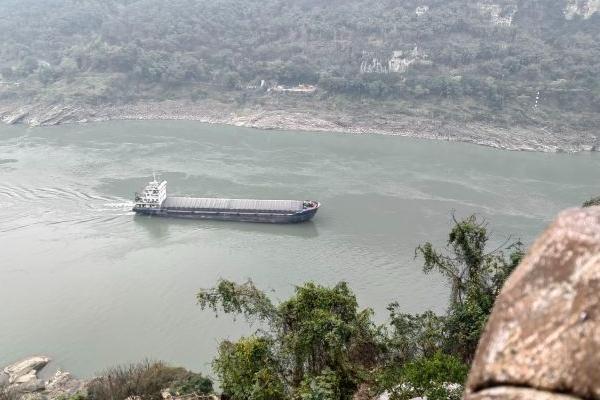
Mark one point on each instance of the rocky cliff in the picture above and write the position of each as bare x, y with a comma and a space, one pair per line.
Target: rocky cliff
542, 341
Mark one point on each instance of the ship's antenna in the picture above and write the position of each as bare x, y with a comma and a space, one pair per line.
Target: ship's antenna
154, 175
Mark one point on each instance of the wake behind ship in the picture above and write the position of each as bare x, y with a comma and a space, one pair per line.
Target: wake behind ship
153, 200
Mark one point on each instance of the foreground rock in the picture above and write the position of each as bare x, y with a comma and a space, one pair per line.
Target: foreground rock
21, 379
542, 340
63, 384
22, 375
514, 393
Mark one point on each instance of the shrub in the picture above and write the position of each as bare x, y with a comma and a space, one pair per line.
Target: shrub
595, 201
439, 377
247, 369
192, 383
147, 380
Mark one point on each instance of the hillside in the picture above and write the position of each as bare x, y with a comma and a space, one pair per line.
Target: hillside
451, 68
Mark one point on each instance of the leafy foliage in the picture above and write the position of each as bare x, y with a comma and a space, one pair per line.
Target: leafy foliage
320, 346
318, 343
248, 370
439, 377
235, 298
191, 383
475, 279
420, 335
325, 386
428, 355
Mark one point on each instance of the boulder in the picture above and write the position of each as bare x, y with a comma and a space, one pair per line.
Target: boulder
515, 393
542, 340
21, 379
63, 384
25, 371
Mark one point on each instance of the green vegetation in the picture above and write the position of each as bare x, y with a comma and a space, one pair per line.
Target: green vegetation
431, 377
146, 380
475, 278
248, 369
594, 201
315, 343
319, 345
471, 64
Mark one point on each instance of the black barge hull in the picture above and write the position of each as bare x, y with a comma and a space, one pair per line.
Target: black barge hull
230, 216
264, 211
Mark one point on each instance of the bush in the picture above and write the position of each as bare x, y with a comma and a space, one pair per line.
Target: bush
317, 343
322, 387
595, 201
247, 369
440, 377
193, 383
147, 380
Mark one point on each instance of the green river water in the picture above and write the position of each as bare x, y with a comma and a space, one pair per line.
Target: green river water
89, 284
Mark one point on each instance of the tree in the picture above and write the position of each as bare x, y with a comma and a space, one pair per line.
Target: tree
317, 342
325, 386
317, 345
438, 377
475, 277
248, 370
414, 336
428, 355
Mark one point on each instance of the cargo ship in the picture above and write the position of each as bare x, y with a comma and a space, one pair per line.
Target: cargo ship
153, 200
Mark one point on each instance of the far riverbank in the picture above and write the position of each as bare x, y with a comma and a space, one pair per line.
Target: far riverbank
529, 138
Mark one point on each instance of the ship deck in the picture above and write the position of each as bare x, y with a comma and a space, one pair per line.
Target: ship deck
240, 205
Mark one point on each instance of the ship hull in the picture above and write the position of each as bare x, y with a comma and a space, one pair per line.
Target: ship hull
252, 216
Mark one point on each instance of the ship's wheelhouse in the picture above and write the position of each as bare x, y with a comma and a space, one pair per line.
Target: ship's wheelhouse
152, 196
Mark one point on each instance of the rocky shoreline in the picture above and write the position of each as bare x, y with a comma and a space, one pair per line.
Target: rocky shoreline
531, 138
21, 381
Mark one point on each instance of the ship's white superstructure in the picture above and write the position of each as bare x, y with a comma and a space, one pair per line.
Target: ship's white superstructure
152, 196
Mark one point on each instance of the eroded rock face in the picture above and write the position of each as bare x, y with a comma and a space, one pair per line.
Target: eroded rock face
21, 380
543, 336
25, 371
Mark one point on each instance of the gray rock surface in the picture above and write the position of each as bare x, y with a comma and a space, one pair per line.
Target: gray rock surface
63, 384
21, 379
544, 331
279, 114
22, 375
3, 379
515, 393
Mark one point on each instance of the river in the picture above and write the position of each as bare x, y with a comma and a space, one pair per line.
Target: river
91, 285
